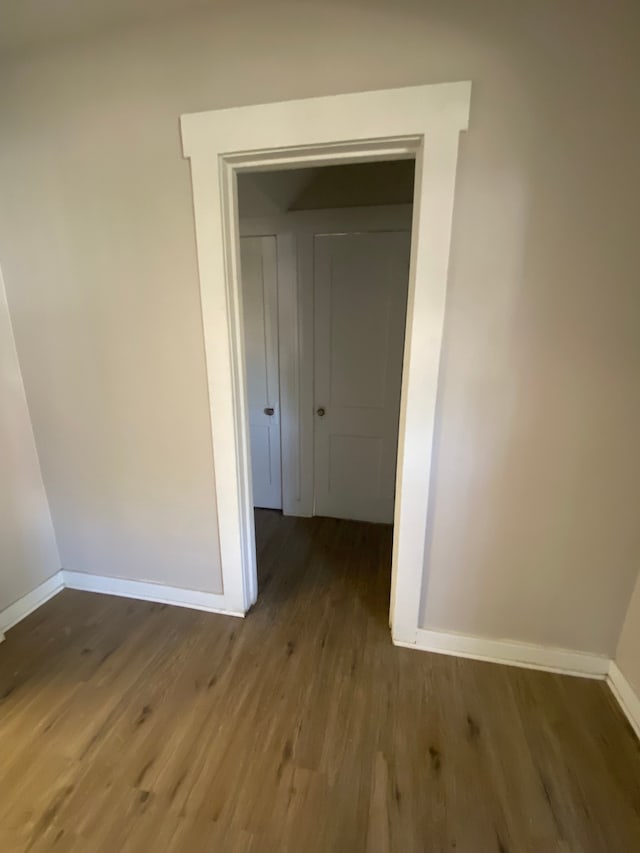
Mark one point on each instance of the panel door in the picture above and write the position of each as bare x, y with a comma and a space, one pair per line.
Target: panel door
360, 296
260, 313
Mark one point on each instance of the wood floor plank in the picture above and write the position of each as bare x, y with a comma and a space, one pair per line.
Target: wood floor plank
128, 726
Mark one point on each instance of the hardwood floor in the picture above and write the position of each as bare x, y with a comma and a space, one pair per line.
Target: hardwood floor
127, 726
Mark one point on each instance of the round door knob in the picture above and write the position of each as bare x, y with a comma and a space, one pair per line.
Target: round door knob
320, 412
269, 410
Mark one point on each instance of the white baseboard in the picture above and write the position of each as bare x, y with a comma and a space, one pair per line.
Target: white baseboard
525, 655
21, 608
209, 601
625, 695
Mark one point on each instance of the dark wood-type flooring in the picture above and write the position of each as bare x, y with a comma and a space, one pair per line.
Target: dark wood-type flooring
128, 726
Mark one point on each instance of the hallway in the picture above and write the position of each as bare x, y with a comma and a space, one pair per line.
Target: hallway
129, 726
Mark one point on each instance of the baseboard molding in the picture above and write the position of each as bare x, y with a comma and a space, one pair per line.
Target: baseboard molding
525, 655
625, 696
504, 652
21, 608
211, 602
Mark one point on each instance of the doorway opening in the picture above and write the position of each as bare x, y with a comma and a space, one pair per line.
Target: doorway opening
421, 122
330, 248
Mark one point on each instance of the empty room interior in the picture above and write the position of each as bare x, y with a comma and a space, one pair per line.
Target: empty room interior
319, 417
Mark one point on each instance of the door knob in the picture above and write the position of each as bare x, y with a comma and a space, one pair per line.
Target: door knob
269, 410
320, 412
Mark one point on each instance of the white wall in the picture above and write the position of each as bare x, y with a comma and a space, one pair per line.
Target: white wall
537, 475
28, 551
628, 652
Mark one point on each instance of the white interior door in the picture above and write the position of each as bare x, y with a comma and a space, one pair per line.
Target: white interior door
360, 297
260, 310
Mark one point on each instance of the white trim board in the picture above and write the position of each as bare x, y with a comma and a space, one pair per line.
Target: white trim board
211, 602
625, 696
21, 608
510, 653
195, 600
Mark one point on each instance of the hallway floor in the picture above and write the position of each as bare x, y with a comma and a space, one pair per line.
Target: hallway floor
128, 726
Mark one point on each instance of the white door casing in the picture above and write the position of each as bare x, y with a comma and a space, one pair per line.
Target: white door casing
260, 320
360, 290
417, 121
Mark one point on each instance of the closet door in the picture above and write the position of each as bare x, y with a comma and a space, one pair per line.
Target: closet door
260, 311
360, 295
